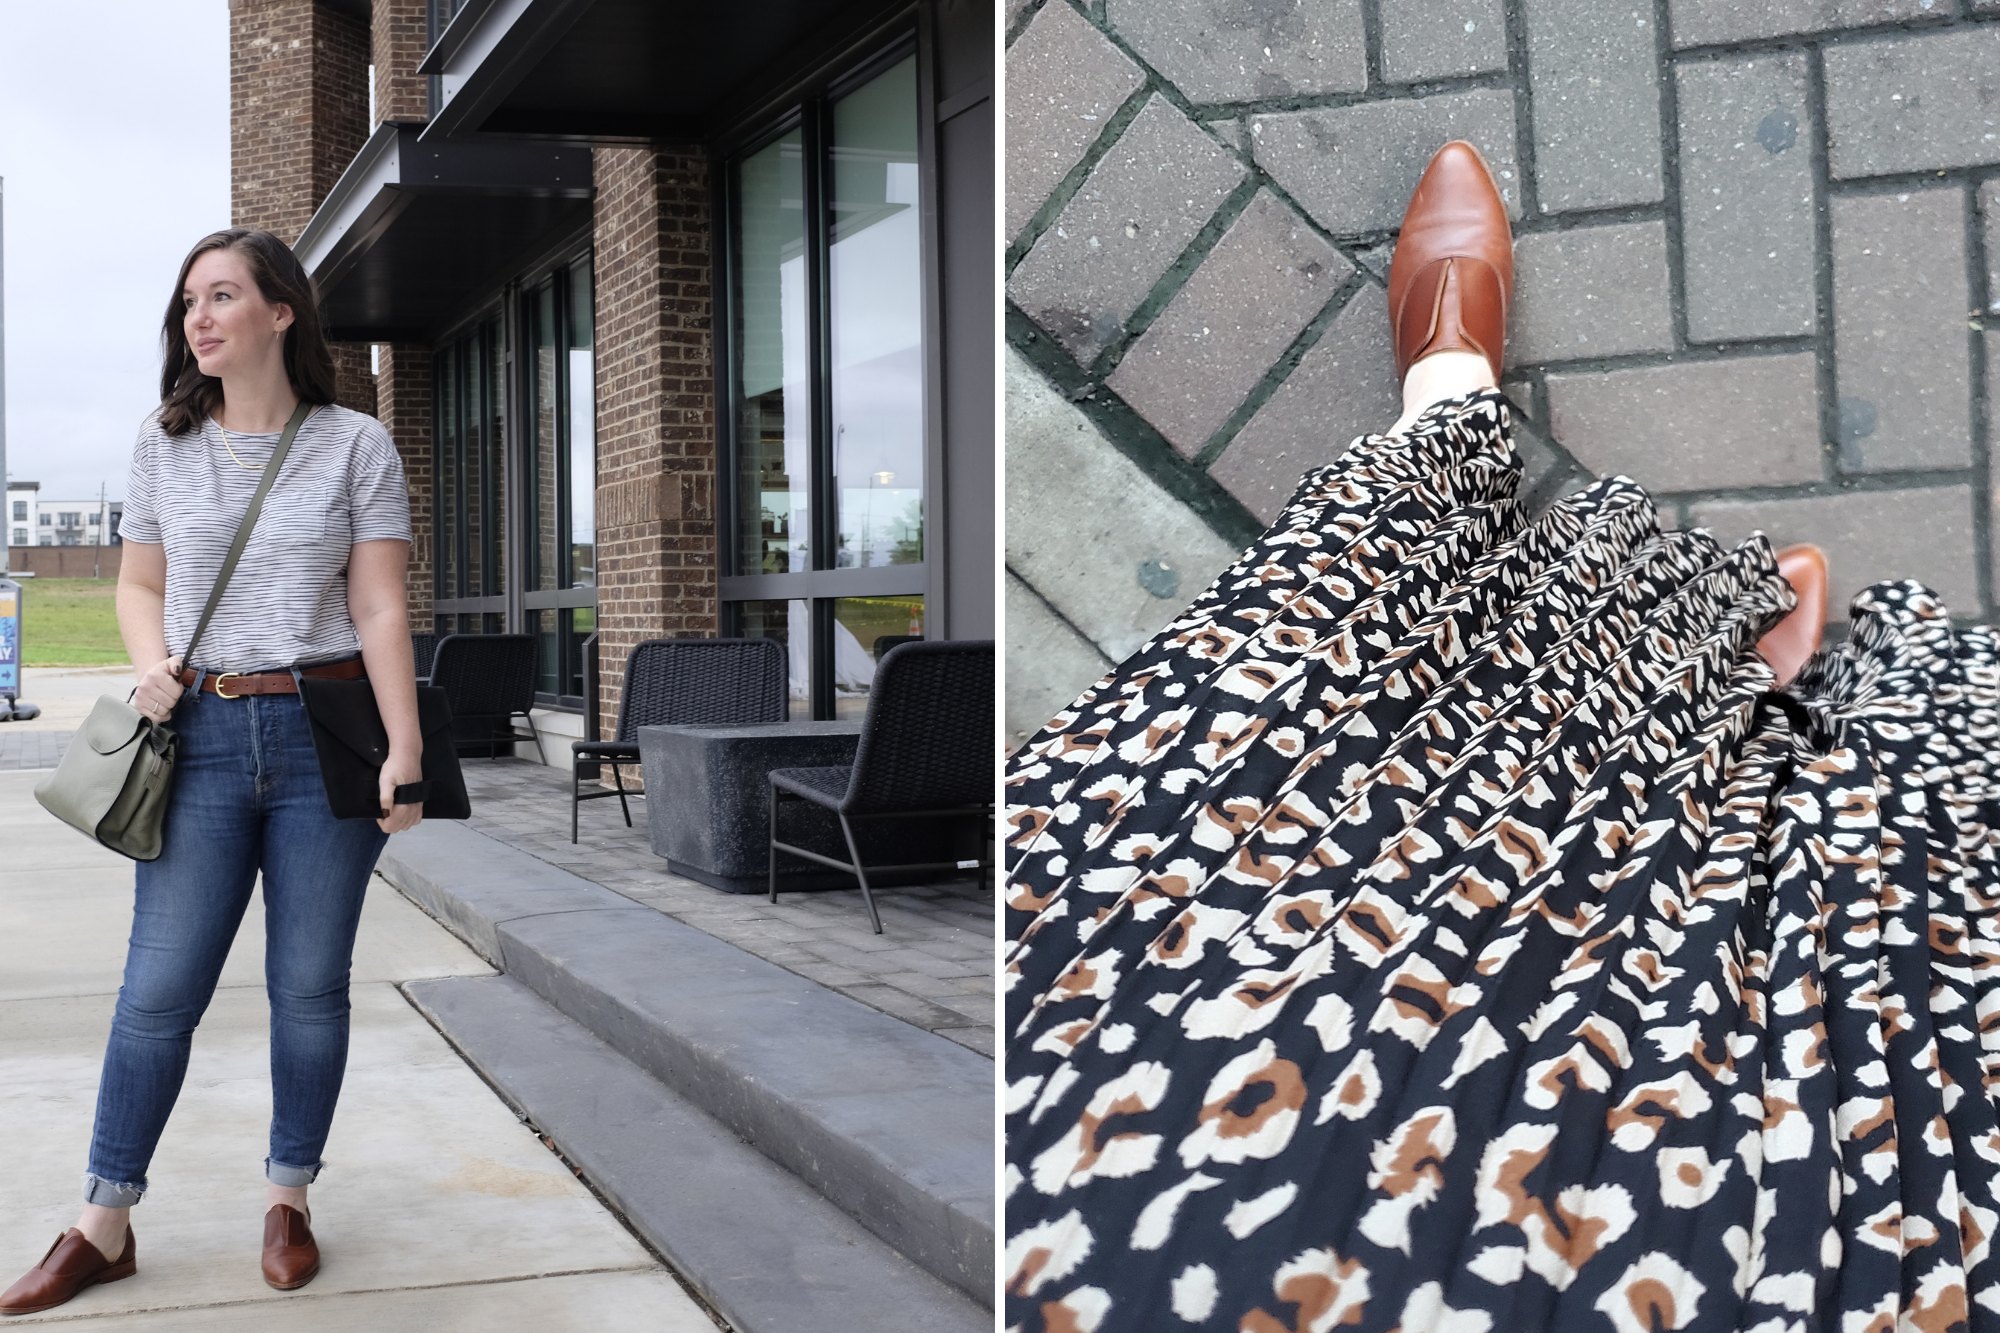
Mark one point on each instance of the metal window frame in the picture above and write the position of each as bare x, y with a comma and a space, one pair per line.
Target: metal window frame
807, 105
505, 311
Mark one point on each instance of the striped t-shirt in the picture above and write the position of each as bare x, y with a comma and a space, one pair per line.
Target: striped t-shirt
286, 604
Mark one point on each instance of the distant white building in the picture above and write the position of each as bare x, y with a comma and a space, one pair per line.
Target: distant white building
21, 506
33, 521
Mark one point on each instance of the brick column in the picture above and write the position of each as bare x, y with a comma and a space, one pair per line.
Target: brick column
403, 398
655, 404
298, 113
399, 37
298, 109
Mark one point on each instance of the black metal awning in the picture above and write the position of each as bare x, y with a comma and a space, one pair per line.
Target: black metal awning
412, 230
612, 70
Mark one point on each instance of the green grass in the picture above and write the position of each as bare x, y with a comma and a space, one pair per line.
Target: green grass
70, 622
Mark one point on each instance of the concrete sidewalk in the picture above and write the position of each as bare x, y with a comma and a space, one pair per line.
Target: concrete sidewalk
439, 1210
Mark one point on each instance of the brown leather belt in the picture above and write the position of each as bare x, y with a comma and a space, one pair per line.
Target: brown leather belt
236, 684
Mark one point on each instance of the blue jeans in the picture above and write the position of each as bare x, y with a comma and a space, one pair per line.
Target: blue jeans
247, 797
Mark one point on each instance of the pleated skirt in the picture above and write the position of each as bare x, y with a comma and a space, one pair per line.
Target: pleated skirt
1443, 924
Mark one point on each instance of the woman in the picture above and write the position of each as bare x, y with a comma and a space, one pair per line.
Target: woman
319, 591
1448, 923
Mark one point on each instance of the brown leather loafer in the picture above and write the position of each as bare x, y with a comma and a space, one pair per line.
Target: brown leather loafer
1453, 275
291, 1255
71, 1264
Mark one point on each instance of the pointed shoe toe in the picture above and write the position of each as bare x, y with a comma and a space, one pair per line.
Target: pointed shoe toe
71, 1264
291, 1255
1791, 643
1452, 278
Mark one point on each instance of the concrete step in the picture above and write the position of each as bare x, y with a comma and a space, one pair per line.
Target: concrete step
762, 1247
892, 1124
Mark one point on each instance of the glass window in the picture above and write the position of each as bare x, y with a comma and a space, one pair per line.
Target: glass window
582, 395
876, 278
827, 424
471, 472
774, 418
789, 622
864, 628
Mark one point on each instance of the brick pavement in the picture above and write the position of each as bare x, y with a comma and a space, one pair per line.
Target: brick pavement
932, 965
1758, 245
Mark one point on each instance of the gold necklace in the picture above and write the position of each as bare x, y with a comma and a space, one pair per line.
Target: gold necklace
247, 467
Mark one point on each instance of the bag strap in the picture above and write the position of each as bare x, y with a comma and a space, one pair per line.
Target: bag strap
299, 415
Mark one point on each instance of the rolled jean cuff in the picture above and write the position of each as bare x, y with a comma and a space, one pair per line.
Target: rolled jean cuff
111, 1193
291, 1177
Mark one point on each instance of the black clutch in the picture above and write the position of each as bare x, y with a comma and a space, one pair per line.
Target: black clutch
352, 745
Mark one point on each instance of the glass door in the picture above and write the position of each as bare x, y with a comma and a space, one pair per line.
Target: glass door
561, 407
827, 366
471, 529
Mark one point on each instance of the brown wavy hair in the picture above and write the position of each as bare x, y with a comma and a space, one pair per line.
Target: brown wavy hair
188, 397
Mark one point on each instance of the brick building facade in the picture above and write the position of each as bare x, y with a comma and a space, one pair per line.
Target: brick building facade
522, 267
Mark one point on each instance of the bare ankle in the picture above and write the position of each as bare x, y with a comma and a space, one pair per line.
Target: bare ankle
1440, 376
292, 1196
105, 1228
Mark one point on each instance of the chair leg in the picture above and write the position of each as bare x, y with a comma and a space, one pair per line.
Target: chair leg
771, 848
575, 791
536, 737
867, 897
619, 779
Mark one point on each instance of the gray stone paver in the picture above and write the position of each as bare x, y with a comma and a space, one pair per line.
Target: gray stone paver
1061, 89
823, 936
1266, 279
1747, 196
1989, 212
1709, 22
1899, 308
21, 748
1440, 39
1353, 167
1595, 85
1868, 536
1344, 386
1920, 102
1722, 288
1084, 524
1590, 292
1126, 224
1745, 421
1230, 51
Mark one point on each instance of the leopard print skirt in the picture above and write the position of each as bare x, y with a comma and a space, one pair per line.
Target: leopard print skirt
1443, 925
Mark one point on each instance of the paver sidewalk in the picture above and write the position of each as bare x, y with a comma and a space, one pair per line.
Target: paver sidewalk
1757, 252
438, 1209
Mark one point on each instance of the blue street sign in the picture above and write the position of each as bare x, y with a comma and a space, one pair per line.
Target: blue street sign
10, 639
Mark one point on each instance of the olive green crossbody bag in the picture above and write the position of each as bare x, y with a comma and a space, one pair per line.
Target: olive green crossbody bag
114, 780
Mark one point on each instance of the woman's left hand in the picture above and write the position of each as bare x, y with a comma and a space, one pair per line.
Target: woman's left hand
400, 769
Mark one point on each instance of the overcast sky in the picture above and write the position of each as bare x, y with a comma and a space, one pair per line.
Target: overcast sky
114, 144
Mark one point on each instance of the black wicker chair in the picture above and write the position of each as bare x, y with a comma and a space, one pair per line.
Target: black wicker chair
424, 647
490, 679
927, 751
682, 682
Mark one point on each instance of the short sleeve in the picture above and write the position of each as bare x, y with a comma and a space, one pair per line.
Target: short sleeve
139, 521
378, 496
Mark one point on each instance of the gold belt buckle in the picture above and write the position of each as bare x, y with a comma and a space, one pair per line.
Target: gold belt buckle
221, 693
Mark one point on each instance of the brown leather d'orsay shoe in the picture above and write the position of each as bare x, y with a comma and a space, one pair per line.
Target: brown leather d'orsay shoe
1795, 639
71, 1264
291, 1255
1453, 275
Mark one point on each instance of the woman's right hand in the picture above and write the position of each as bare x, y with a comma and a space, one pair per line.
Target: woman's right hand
159, 689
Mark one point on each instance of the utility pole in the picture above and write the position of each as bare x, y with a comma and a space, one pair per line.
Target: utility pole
97, 554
